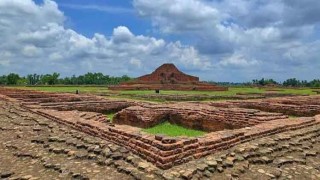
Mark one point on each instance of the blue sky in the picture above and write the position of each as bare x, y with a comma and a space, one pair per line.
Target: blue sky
89, 17
219, 40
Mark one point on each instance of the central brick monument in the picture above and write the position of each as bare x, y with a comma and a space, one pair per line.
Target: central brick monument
167, 77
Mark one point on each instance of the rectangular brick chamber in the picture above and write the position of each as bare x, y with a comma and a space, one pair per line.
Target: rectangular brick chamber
165, 152
198, 116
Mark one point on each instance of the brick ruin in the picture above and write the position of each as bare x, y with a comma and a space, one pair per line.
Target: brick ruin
295, 106
194, 116
167, 77
235, 124
66, 101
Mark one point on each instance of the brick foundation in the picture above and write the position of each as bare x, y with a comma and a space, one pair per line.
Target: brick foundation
296, 106
194, 116
166, 152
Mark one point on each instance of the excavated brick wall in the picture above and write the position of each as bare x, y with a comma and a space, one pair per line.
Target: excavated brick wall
93, 106
66, 102
193, 115
297, 106
163, 151
167, 152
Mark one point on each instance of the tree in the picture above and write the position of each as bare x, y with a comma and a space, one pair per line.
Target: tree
263, 82
49, 79
3, 80
33, 79
293, 82
12, 79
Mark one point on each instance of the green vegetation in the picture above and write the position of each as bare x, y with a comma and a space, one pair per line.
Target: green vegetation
131, 94
232, 91
299, 91
101, 79
68, 89
52, 79
173, 130
110, 116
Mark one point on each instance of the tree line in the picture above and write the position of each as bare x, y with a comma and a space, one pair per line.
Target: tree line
54, 79
101, 79
292, 82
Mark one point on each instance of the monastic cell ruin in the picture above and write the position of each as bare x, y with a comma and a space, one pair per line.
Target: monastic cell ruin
228, 123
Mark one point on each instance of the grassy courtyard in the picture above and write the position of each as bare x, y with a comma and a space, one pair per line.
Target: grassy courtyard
103, 89
66, 89
173, 130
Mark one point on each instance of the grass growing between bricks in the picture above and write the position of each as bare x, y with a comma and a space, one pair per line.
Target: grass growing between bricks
173, 130
110, 116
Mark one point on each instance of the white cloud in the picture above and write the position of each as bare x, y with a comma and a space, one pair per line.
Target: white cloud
36, 35
136, 62
4, 62
267, 35
106, 9
184, 14
229, 40
238, 60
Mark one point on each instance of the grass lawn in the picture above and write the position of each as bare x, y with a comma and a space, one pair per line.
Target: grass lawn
298, 91
101, 89
173, 130
67, 89
110, 115
232, 91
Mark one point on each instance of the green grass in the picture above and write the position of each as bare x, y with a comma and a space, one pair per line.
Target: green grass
129, 94
230, 92
110, 115
306, 91
67, 89
173, 130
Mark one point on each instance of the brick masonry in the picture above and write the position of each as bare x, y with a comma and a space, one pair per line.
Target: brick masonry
165, 152
296, 106
193, 115
167, 77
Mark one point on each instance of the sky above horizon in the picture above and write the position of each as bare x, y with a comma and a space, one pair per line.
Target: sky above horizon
218, 40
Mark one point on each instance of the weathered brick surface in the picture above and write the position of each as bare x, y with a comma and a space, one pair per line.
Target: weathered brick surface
163, 151
193, 115
65, 101
167, 77
297, 106
167, 152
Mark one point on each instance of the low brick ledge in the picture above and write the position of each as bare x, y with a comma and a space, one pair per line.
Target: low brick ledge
167, 152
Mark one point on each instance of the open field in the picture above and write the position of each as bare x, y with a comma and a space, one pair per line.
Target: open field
66, 89
232, 90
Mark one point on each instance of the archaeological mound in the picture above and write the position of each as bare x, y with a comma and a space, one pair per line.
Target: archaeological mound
167, 77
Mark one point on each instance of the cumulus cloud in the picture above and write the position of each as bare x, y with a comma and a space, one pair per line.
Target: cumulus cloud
225, 40
34, 39
261, 35
238, 60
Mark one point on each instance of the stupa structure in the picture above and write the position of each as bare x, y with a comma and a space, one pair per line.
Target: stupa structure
167, 77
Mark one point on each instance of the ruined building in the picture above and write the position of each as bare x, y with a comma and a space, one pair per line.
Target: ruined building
167, 77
